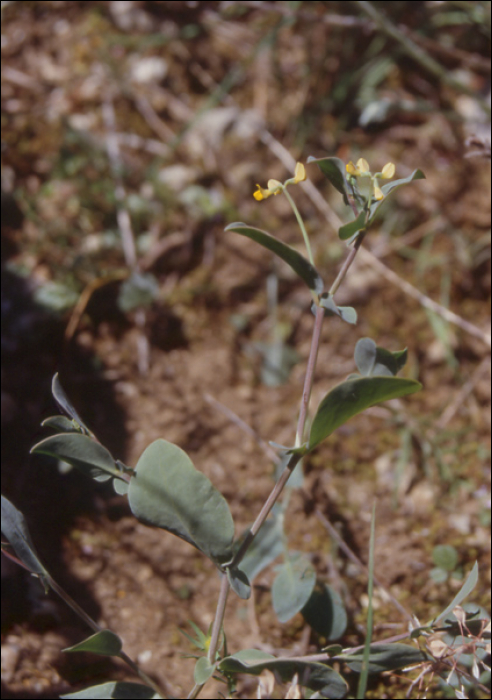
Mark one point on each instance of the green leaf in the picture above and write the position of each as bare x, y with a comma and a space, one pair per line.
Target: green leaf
138, 291
346, 313
203, 670
295, 260
168, 492
61, 424
116, 689
372, 360
292, 587
239, 582
120, 487
315, 676
352, 397
266, 546
201, 641
105, 643
385, 657
334, 169
348, 230
64, 403
464, 592
55, 296
15, 530
325, 612
445, 556
81, 452
389, 187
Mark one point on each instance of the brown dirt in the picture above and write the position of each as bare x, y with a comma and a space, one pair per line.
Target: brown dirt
145, 584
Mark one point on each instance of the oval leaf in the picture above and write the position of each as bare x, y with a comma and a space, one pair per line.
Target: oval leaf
292, 587
139, 291
105, 643
346, 313
80, 451
64, 403
445, 556
239, 582
352, 397
120, 487
348, 230
168, 492
365, 356
295, 260
463, 593
116, 689
14, 528
61, 424
203, 670
372, 360
325, 612
334, 169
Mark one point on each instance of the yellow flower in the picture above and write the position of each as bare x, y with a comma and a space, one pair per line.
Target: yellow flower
362, 168
300, 173
378, 194
274, 187
388, 171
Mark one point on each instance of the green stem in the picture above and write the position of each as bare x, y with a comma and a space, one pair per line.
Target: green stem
301, 225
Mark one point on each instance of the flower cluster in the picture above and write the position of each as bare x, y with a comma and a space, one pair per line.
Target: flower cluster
275, 187
361, 169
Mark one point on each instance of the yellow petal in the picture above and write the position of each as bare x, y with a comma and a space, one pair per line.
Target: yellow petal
300, 173
378, 193
351, 169
362, 166
274, 186
388, 171
261, 194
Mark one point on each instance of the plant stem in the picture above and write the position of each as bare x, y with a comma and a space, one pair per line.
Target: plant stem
308, 381
348, 262
267, 507
274, 495
294, 457
219, 617
301, 226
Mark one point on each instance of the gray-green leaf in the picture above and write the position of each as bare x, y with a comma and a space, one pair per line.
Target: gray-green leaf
81, 452
168, 492
292, 587
14, 528
352, 397
105, 643
295, 260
